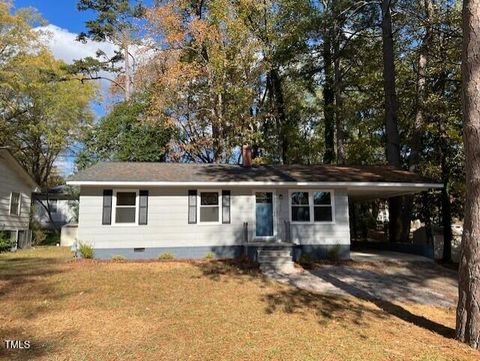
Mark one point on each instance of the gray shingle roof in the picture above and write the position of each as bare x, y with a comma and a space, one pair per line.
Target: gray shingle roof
189, 172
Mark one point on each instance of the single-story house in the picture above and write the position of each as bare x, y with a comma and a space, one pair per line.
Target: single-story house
141, 210
62, 204
16, 188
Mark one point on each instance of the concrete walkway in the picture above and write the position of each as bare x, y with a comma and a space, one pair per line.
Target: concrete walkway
404, 281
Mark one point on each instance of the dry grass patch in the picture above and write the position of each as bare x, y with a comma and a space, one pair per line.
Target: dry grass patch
89, 310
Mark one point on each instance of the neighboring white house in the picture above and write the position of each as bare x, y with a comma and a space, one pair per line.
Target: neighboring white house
141, 210
62, 204
16, 187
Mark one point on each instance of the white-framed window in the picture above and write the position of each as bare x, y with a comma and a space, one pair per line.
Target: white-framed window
300, 206
125, 207
52, 205
311, 206
209, 202
322, 206
15, 199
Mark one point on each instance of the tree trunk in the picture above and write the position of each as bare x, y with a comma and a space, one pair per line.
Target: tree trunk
328, 86
276, 92
56, 227
328, 96
468, 310
391, 127
418, 130
338, 87
128, 80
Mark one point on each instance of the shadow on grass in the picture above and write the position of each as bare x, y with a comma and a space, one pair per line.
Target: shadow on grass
18, 272
391, 308
240, 269
39, 347
293, 300
325, 307
24, 280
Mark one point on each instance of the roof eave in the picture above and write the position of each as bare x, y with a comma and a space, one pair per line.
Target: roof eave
415, 186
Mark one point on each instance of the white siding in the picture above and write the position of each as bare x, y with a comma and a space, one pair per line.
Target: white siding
10, 181
168, 222
337, 232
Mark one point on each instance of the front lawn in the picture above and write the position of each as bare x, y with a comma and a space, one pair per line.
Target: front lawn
90, 310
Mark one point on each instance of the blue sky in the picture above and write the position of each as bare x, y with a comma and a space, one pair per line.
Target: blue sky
62, 13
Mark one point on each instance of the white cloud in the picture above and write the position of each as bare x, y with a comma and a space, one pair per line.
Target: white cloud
63, 44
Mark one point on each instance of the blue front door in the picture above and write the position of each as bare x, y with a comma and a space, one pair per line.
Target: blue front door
264, 214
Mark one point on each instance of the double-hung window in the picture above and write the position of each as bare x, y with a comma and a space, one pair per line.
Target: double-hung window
300, 207
15, 204
311, 206
126, 207
322, 207
209, 207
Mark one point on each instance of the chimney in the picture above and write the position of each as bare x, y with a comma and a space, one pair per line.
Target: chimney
247, 156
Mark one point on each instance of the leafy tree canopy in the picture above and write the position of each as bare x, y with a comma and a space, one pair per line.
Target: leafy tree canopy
127, 133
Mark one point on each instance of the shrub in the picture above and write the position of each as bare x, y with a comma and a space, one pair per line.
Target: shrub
334, 253
210, 255
52, 239
5, 243
167, 256
86, 251
118, 257
38, 233
305, 261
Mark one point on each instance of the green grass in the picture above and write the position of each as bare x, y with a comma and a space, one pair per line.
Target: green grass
103, 310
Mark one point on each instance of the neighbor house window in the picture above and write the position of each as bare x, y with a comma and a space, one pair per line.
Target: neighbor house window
52, 205
311, 206
300, 207
125, 207
15, 203
209, 208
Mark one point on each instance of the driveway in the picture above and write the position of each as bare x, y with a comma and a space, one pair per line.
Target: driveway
387, 256
420, 282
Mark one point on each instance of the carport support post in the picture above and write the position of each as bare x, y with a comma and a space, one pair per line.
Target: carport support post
353, 220
446, 223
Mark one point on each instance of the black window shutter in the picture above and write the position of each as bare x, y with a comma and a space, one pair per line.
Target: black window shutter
107, 206
225, 206
192, 206
143, 208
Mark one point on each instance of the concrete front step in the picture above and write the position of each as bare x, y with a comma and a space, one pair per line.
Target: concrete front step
278, 259
275, 263
276, 253
285, 268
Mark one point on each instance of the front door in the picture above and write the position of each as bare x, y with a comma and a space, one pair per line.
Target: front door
264, 214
